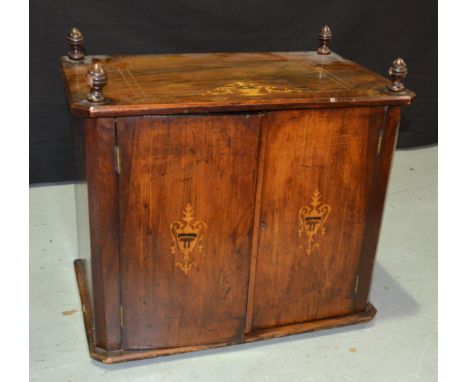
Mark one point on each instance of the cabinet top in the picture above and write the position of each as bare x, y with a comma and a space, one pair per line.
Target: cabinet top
222, 82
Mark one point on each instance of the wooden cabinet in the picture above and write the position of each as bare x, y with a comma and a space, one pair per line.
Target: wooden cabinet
227, 198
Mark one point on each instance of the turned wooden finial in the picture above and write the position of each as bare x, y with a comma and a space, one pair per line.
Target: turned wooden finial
75, 42
324, 37
97, 79
397, 72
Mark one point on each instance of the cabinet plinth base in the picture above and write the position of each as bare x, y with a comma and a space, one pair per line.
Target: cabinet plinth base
117, 356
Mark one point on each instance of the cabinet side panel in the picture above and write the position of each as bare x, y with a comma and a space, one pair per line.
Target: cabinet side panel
318, 172
103, 225
376, 207
81, 200
187, 199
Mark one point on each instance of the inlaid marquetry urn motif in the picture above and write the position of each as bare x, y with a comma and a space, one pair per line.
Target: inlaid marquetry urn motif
187, 238
250, 89
312, 219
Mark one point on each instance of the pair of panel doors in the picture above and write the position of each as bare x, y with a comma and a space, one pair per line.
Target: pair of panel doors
232, 223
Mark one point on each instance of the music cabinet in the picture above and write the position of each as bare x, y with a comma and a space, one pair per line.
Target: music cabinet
226, 198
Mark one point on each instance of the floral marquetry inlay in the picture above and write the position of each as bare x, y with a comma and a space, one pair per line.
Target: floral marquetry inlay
250, 89
187, 238
312, 219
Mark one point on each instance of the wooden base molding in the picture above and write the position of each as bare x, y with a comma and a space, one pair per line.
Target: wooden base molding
117, 356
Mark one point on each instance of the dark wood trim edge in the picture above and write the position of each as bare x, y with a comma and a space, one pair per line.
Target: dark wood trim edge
83, 109
257, 225
311, 326
85, 298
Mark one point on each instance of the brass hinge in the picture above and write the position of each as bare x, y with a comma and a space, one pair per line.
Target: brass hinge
121, 317
356, 285
379, 143
117, 159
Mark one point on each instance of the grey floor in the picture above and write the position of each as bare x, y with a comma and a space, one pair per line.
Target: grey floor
399, 345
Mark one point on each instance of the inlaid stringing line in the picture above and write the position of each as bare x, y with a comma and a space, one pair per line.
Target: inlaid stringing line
332, 76
136, 82
125, 79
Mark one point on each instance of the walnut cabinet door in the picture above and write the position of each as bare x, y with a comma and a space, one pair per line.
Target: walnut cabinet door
186, 220
317, 178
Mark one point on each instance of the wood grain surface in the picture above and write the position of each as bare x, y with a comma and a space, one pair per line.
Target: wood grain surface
99, 141
213, 82
375, 207
117, 356
209, 162
332, 152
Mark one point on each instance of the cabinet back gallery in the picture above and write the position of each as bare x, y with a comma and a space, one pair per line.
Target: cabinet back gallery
226, 198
